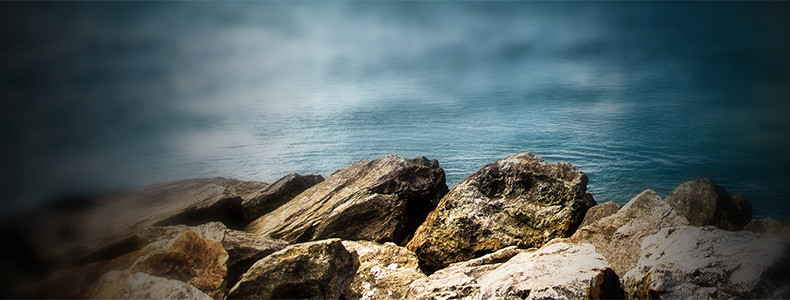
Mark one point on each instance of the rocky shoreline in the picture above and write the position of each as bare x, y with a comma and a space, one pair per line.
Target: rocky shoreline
389, 228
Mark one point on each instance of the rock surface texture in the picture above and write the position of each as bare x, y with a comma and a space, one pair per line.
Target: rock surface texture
519, 200
600, 211
380, 200
138, 285
556, 271
278, 193
385, 271
321, 269
703, 202
618, 237
707, 263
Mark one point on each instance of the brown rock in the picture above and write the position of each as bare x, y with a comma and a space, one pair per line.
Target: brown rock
703, 202
278, 193
138, 285
600, 211
321, 269
381, 200
618, 237
385, 271
520, 200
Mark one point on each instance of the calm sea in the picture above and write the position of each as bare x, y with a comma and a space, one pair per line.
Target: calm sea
646, 95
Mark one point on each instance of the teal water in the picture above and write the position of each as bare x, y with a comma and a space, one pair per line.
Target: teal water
100, 95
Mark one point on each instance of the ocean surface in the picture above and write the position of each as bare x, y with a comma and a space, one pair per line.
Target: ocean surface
646, 95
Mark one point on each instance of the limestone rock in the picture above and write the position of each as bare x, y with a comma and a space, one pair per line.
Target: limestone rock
321, 269
600, 211
278, 193
703, 263
519, 200
618, 237
138, 285
385, 271
703, 202
380, 200
188, 258
556, 271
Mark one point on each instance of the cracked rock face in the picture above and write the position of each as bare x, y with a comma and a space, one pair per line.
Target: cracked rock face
385, 271
520, 200
380, 200
706, 263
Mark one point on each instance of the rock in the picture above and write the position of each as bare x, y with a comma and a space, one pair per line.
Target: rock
385, 271
109, 230
703, 263
703, 202
242, 188
618, 237
278, 193
519, 200
321, 269
556, 271
188, 258
767, 225
600, 211
380, 200
138, 285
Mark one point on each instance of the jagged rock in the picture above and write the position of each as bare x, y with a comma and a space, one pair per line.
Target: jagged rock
600, 211
519, 200
706, 263
278, 193
321, 269
703, 202
385, 271
242, 188
380, 200
618, 237
188, 258
138, 285
556, 271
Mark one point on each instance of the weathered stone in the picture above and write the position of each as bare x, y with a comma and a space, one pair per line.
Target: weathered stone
380, 200
519, 200
556, 271
385, 271
600, 211
242, 188
618, 237
705, 263
188, 258
138, 285
321, 269
703, 202
767, 225
278, 193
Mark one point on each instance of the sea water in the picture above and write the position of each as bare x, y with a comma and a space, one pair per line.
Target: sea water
104, 95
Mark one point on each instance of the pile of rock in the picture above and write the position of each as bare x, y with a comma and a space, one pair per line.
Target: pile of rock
389, 228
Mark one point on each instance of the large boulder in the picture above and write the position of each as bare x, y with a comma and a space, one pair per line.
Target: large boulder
138, 285
385, 271
321, 269
556, 271
703, 202
600, 211
278, 193
618, 237
706, 263
380, 200
519, 200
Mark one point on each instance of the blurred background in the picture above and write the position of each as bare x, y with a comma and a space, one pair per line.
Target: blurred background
98, 96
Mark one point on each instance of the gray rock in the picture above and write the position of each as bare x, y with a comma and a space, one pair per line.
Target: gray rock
321, 269
278, 193
703, 202
138, 285
385, 271
618, 237
556, 271
380, 200
600, 211
704, 263
519, 200
767, 225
